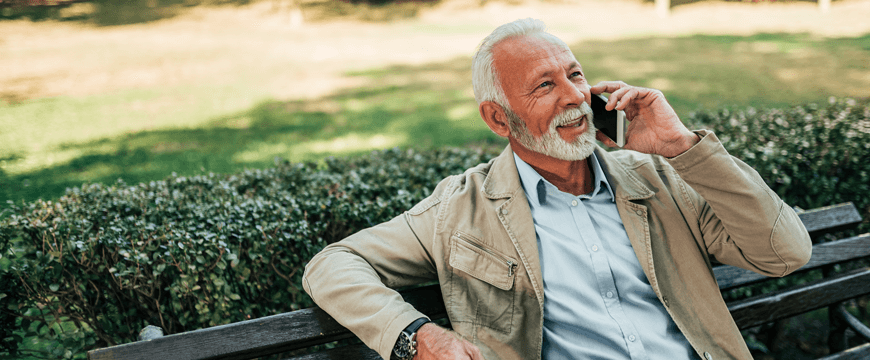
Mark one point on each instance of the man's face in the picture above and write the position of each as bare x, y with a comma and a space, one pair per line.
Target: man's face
545, 86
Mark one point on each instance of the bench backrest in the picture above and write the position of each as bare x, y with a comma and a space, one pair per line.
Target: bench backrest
304, 328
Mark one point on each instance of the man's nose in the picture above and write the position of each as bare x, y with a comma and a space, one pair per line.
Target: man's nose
572, 95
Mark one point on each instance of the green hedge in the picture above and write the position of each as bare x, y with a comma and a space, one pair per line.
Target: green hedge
192, 252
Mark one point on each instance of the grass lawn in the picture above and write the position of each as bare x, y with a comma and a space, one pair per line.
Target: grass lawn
141, 134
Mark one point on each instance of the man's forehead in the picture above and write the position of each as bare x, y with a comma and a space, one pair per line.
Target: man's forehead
531, 43
528, 49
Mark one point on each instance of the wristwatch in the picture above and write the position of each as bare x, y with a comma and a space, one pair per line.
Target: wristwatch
406, 346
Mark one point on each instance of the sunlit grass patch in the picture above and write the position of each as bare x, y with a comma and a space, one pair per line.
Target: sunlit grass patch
711, 71
223, 126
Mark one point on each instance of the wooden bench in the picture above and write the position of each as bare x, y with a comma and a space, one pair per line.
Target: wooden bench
308, 327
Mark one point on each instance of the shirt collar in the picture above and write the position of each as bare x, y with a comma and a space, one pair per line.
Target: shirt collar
535, 185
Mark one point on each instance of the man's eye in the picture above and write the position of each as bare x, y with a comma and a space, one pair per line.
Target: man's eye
576, 73
544, 84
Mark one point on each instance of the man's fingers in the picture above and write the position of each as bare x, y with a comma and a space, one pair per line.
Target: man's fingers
474, 352
619, 99
632, 95
621, 94
614, 98
607, 87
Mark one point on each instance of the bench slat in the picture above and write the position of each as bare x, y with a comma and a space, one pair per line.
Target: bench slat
242, 340
861, 352
830, 218
828, 253
800, 299
259, 337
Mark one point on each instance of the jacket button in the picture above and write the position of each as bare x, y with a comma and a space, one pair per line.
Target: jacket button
708, 356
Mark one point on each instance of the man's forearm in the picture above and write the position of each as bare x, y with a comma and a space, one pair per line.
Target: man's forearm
351, 280
336, 281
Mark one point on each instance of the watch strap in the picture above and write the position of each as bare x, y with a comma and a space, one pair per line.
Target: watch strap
416, 325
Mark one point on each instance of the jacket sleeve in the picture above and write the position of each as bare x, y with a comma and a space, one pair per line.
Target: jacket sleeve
353, 279
742, 221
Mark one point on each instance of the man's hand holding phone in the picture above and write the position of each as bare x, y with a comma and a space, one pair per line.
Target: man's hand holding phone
654, 127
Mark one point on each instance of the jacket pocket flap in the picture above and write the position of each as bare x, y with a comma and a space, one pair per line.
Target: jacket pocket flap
483, 264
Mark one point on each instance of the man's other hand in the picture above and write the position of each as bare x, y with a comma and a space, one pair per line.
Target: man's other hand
435, 342
654, 128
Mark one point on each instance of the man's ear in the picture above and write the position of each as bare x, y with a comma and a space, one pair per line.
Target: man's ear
495, 117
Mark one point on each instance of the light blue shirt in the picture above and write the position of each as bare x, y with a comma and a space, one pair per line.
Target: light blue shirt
598, 303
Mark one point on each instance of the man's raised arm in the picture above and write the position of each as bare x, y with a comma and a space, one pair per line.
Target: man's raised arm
743, 222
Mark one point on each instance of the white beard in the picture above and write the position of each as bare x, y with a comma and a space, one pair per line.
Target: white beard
550, 143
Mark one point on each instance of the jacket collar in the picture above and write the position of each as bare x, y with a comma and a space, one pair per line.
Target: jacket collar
626, 185
503, 180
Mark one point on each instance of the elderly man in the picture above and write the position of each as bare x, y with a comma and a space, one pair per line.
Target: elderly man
557, 249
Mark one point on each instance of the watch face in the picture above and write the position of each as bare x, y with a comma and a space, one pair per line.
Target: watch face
403, 347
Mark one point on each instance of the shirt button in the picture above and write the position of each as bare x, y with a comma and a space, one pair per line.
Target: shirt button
639, 212
708, 356
594, 247
574, 203
631, 338
609, 294
504, 211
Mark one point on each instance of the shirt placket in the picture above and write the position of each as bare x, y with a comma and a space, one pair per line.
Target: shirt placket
604, 277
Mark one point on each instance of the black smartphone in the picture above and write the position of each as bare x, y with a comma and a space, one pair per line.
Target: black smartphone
611, 123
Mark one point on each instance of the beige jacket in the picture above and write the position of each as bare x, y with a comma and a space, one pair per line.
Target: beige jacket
475, 236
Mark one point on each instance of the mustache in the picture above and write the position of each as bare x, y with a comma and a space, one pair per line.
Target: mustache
568, 116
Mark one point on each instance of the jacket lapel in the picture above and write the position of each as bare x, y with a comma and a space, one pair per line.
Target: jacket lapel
504, 188
635, 217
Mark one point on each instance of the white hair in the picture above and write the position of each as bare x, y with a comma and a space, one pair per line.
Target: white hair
484, 77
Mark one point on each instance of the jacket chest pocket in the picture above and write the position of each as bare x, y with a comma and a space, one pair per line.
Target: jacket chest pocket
481, 284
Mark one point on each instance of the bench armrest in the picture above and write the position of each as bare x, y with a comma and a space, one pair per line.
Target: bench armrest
853, 322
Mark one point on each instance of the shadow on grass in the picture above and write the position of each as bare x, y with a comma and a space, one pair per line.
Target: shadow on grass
677, 3
432, 105
99, 12
126, 12
345, 124
364, 10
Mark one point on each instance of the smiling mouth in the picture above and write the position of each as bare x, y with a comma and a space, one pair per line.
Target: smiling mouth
574, 123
